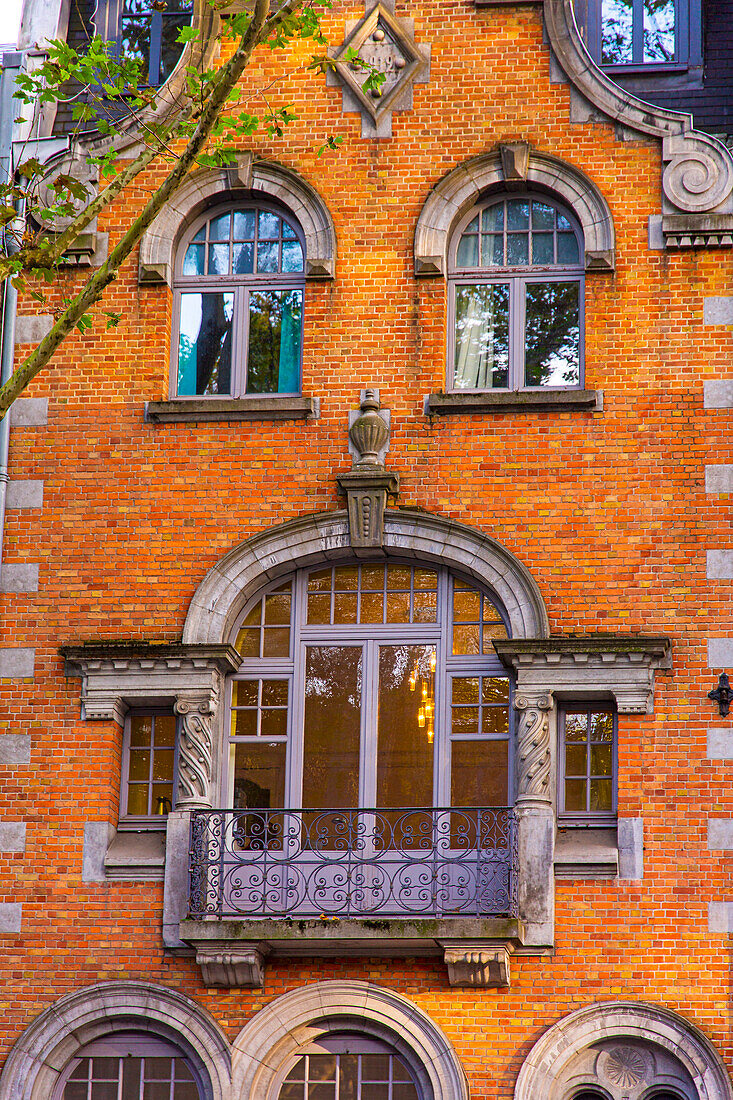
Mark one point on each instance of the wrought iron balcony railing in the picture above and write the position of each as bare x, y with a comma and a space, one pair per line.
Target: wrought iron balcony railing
457, 862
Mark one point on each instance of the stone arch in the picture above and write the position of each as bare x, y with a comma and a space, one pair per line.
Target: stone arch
157, 247
325, 537
546, 1062
42, 1052
462, 187
309, 1013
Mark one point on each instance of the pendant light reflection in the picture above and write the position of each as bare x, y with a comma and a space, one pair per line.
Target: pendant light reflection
426, 711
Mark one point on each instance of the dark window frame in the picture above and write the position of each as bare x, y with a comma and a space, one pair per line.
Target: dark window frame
153, 821
108, 21
595, 818
241, 286
517, 277
662, 75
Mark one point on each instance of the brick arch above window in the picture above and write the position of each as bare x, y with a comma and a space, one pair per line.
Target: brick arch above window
550, 1061
39, 1058
305, 1015
324, 537
464, 186
251, 178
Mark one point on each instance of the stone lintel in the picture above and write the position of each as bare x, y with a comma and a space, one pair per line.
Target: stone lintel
239, 965
478, 965
211, 409
116, 675
619, 666
516, 401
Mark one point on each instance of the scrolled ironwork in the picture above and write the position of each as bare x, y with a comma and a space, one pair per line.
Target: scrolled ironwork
401, 862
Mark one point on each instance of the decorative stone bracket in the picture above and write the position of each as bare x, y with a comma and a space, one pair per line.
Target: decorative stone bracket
239, 965
368, 483
116, 676
619, 666
478, 965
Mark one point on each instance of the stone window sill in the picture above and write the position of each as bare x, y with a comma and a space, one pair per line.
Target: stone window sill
586, 853
515, 401
208, 409
136, 856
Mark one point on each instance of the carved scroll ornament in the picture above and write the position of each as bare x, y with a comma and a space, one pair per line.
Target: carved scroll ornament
533, 746
195, 752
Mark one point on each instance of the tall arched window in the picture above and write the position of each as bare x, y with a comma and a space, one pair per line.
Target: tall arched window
516, 296
370, 685
129, 1066
239, 303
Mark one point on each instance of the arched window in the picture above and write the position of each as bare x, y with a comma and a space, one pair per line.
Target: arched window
239, 303
370, 685
129, 1066
516, 296
346, 1067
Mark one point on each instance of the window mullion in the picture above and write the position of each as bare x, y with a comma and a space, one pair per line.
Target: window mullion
637, 32
369, 723
517, 337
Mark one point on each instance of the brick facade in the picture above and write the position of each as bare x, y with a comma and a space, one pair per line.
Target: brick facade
606, 508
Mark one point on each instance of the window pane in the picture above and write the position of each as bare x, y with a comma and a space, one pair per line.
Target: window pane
137, 798
259, 775
601, 763
576, 760
205, 344
292, 256
517, 214
617, 32
170, 49
268, 225
543, 216
601, 795
659, 30
332, 727
482, 337
517, 248
219, 228
567, 248
244, 225
552, 334
218, 259
268, 256
575, 790
139, 764
467, 255
273, 364
242, 259
542, 248
165, 730
193, 263
141, 730
406, 725
479, 773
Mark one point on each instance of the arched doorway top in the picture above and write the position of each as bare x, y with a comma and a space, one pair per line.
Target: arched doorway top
324, 537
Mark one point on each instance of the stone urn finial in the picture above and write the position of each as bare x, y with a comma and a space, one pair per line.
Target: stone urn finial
369, 433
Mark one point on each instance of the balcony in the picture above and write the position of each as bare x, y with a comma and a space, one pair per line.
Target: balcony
337, 882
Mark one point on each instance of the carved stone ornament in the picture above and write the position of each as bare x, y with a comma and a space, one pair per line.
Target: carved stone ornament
616, 666
368, 483
624, 1066
386, 44
478, 965
241, 965
533, 746
195, 749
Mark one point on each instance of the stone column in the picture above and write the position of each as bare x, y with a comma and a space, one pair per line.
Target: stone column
535, 816
197, 712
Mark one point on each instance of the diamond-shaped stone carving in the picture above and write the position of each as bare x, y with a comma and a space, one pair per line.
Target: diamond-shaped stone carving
387, 44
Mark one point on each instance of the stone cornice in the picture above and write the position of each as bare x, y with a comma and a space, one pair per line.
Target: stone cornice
577, 666
118, 675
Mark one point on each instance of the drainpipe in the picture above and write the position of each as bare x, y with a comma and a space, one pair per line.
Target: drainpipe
11, 66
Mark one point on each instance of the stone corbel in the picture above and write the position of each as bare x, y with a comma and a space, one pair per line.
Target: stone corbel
478, 965
239, 965
368, 484
617, 666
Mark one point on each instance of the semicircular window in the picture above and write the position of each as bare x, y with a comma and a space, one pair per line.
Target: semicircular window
516, 296
349, 1068
129, 1067
239, 303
